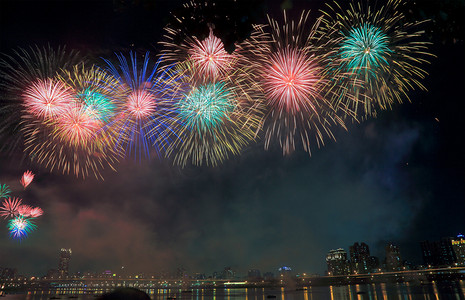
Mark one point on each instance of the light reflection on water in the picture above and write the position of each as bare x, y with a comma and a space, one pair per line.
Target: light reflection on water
400, 291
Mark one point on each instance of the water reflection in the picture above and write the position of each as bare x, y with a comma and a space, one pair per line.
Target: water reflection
401, 291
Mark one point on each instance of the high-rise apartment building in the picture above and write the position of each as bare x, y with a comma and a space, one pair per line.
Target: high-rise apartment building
337, 262
359, 258
63, 265
438, 253
393, 258
458, 244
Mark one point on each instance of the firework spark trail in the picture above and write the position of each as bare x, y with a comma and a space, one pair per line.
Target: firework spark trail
27, 178
379, 55
4, 191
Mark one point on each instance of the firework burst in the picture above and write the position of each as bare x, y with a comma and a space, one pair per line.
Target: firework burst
378, 53
217, 118
208, 56
28, 86
27, 178
76, 142
289, 66
145, 105
20, 227
10, 207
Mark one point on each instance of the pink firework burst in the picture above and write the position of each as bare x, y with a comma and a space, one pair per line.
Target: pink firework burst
10, 207
76, 126
36, 212
140, 104
47, 98
292, 81
24, 210
27, 178
209, 56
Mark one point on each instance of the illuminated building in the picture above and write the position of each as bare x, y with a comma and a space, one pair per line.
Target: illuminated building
393, 259
63, 265
458, 244
337, 262
228, 273
359, 258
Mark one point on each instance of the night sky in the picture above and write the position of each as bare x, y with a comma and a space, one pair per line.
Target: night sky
399, 177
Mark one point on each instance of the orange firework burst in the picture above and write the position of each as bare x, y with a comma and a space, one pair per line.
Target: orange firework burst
27, 178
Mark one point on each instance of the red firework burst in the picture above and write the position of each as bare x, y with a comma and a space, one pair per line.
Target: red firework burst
36, 212
292, 81
10, 207
140, 104
210, 57
47, 98
24, 210
27, 178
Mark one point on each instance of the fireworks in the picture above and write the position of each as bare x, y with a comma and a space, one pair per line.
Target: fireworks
47, 99
29, 86
378, 53
199, 103
27, 178
21, 215
206, 106
289, 65
20, 227
208, 56
10, 207
145, 105
215, 119
4, 191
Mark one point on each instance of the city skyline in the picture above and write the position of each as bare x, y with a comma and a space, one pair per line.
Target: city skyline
398, 177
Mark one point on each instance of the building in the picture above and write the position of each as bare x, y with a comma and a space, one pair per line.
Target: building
63, 265
253, 274
438, 253
458, 244
359, 258
337, 262
393, 258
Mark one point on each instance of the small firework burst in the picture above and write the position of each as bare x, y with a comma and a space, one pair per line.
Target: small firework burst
36, 212
24, 210
10, 207
20, 227
27, 178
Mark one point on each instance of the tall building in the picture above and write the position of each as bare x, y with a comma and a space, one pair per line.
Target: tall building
359, 258
337, 262
458, 244
393, 258
63, 265
438, 253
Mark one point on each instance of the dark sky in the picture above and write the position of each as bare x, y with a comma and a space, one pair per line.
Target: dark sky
399, 177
